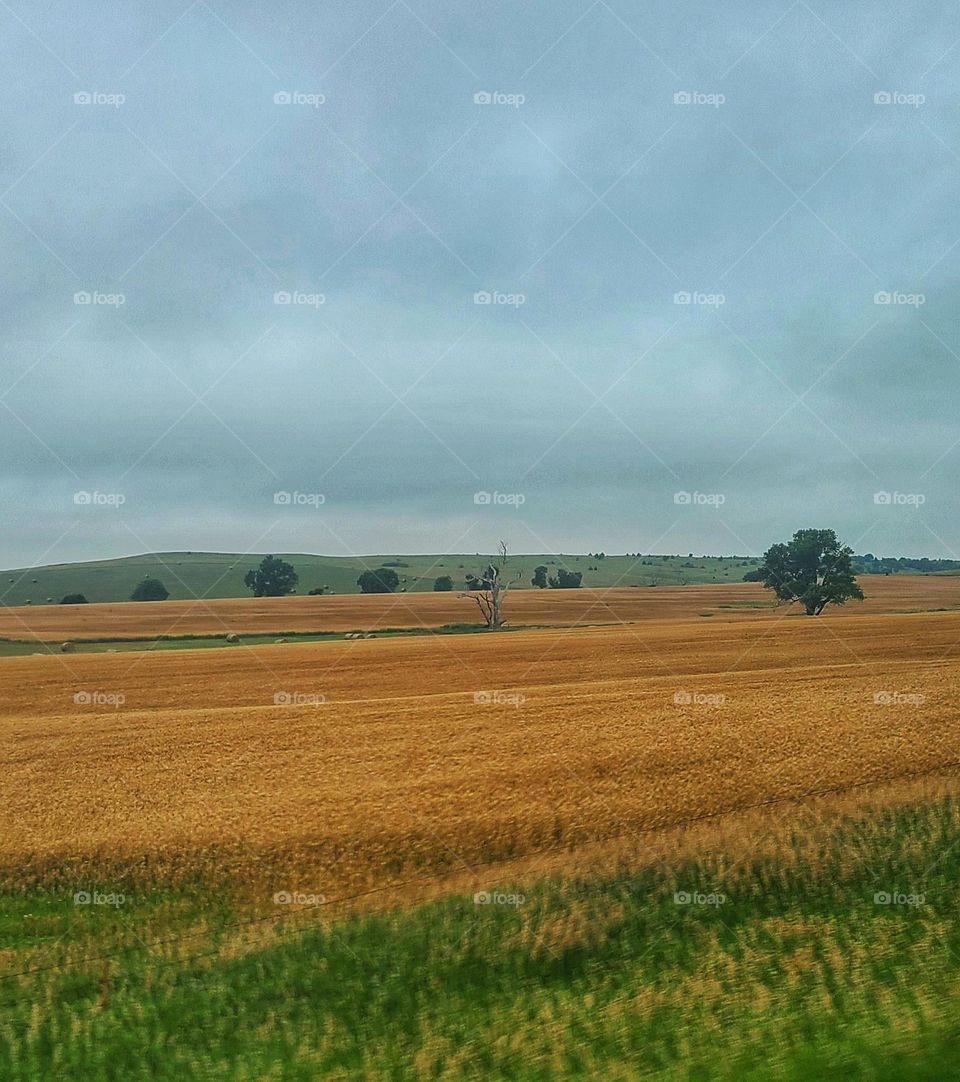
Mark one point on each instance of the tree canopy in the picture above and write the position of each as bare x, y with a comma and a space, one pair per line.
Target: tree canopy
273, 578
150, 590
565, 580
813, 568
382, 581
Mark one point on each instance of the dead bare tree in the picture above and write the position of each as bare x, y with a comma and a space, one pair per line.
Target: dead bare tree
494, 585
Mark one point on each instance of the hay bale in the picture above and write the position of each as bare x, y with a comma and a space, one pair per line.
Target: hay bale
278, 641
66, 647
233, 637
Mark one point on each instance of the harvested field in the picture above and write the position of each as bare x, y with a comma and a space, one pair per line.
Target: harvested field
348, 764
896, 593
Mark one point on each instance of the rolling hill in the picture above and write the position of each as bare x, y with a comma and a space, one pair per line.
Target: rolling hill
220, 574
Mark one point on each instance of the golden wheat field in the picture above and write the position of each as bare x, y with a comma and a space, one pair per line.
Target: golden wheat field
341, 765
344, 612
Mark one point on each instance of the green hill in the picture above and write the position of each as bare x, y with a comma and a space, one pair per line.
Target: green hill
220, 574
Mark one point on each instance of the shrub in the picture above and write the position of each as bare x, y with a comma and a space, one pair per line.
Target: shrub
150, 590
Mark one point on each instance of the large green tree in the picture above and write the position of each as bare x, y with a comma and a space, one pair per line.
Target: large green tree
382, 581
150, 590
273, 578
813, 568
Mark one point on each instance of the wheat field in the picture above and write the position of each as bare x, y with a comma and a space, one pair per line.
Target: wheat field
343, 765
275, 852
344, 612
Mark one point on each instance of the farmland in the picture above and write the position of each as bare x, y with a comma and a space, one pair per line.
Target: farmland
619, 753
276, 615
793, 971
365, 758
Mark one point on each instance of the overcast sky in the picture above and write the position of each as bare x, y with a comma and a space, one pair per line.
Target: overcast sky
791, 170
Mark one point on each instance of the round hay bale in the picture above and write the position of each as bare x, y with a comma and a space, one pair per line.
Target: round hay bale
66, 647
278, 641
233, 637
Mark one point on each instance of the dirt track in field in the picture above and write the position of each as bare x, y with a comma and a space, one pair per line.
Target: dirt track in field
356, 611
348, 763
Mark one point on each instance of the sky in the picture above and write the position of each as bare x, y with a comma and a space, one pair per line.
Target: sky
414, 277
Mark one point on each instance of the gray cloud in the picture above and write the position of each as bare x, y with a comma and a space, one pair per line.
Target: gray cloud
599, 200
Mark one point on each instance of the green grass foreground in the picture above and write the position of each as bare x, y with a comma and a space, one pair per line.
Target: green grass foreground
798, 973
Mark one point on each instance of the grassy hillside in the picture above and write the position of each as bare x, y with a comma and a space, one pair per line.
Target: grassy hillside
837, 957
220, 574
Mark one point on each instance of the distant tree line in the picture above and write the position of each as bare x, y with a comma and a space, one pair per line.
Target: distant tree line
868, 564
